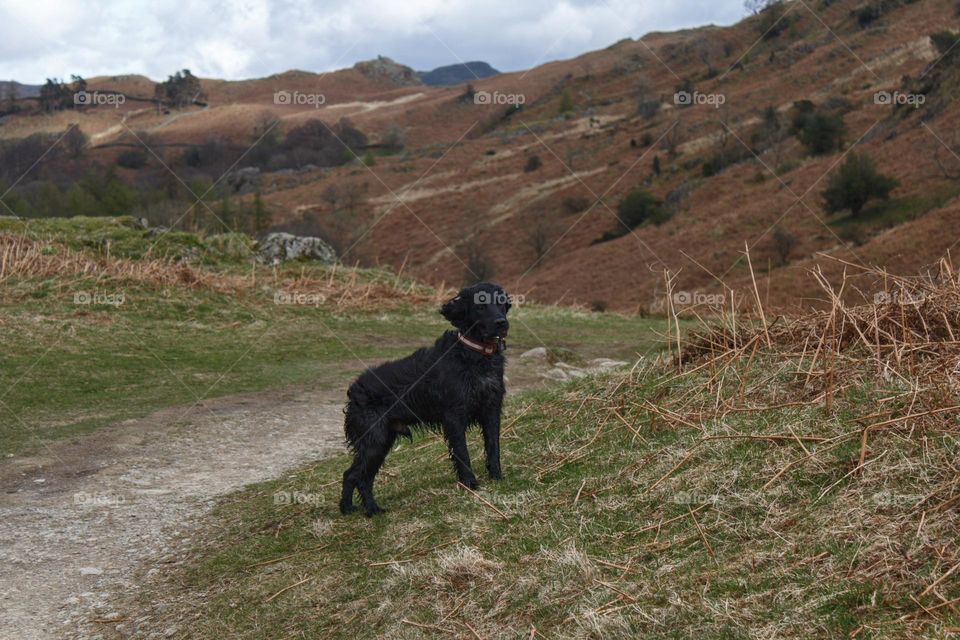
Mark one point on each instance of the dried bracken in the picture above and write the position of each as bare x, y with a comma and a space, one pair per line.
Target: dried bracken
336, 287
884, 377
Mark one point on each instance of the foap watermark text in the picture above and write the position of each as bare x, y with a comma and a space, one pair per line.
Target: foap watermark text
98, 99
916, 100
689, 99
99, 298
498, 297
284, 498
689, 298
495, 97
299, 298
298, 98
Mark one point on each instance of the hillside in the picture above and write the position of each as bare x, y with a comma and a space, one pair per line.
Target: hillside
19, 89
481, 187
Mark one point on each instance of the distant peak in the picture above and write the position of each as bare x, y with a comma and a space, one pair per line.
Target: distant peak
457, 73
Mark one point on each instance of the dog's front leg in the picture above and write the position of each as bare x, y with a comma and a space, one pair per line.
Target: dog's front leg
490, 424
455, 432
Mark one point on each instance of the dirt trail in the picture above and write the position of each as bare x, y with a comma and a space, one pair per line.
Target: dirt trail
77, 519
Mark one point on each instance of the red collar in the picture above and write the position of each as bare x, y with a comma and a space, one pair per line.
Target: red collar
486, 348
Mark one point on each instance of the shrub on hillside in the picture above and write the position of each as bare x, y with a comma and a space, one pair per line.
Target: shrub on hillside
868, 14
773, 17
315, 142
819, 131
876, 9
179, 90
132, 159
637, 207
946, 42
855, 183
641, 206
533, 163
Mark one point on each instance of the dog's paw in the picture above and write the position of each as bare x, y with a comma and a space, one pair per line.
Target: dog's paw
374, 510
495, 474
470, 483
347, 509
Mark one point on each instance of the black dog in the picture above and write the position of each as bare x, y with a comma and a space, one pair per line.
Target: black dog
456, 382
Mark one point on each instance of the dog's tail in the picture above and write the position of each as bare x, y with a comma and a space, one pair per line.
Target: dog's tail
353, 425
361, 426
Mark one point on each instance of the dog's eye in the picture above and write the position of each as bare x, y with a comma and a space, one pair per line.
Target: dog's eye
481, 306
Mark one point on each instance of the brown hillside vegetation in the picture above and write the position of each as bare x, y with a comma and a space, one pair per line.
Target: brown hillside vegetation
459, 198
24, 259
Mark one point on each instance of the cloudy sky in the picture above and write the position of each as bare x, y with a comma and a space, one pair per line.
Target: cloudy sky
237, 39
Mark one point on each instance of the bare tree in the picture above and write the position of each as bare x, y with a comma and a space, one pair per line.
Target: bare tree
725, 133
331, 195
673, 138
949, 175
648, 100
479, 265
783, 243
540, 232
354, 196
571, 154
10, 100
74, 141
393, 137
266, 129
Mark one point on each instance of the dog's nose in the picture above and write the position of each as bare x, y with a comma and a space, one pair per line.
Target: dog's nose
502, 323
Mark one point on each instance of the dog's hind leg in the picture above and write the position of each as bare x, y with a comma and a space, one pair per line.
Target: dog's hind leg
372, 454
351, 478
355, 427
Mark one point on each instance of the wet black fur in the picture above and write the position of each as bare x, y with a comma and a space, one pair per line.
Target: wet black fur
447, 386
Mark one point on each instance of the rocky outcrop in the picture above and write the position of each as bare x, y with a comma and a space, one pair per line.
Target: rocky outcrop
385, 70
280, 247
243, 180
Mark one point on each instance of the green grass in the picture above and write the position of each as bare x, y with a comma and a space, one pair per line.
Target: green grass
124, 237
591, 532
68, 368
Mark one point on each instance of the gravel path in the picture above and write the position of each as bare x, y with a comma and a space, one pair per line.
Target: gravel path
78, 518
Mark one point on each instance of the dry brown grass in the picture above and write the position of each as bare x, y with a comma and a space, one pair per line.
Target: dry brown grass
909, 331
904, 344
339, 287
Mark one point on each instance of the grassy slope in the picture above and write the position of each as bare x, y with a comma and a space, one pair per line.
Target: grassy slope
591, 533
67, 368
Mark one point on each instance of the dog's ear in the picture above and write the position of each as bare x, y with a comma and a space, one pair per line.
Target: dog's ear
455, 310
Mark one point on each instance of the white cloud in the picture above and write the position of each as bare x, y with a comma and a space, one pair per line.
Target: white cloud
236, 39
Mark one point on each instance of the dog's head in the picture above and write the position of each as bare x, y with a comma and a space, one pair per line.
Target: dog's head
479, 311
